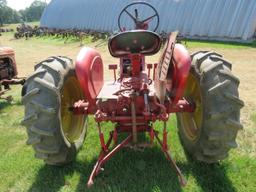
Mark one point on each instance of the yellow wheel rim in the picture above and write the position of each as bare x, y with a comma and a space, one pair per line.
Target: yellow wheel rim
192, 122
72, 125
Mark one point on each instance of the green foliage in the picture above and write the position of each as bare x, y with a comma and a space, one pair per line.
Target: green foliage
32, 13
2, 8
8, 15
3, 3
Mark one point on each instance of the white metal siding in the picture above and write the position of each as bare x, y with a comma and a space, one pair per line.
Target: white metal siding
219, 19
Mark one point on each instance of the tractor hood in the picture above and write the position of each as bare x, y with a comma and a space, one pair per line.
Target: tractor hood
6, 51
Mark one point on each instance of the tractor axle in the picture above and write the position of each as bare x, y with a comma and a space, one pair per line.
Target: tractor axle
82, 108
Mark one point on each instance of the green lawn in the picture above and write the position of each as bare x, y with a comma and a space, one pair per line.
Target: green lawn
253, 118
127, 171
14, 25
218, 44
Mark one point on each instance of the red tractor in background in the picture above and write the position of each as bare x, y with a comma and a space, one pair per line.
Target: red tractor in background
8, 72
200, 89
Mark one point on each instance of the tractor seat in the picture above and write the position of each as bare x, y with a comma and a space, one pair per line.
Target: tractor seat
134, 42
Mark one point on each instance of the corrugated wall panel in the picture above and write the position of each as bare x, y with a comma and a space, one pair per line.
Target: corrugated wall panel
216, 19
252, 20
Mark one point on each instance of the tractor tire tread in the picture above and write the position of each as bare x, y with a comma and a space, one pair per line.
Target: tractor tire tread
220, 86
29, 119
30, 94
42, 112
48, 151
33, 140
36, 74
226, 63
234, 124
234, 99
42, 156
228, 75
48, 133
221, 119
43, 109
46, 85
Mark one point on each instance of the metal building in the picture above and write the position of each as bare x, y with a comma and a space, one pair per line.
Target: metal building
210, 19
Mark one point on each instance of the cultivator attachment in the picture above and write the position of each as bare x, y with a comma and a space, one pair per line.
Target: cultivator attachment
107, 153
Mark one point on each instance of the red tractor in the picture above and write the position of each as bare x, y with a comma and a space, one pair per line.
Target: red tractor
200, 89
8, 72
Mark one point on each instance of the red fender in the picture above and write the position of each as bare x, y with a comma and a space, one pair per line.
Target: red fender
182, 64
89, 71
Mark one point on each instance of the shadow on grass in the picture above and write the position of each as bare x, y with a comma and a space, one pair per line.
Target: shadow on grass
5, 104
132, 171
210, 177
128, 171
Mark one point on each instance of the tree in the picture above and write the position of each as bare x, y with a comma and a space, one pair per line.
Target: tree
34, 12
7, 14
3, 5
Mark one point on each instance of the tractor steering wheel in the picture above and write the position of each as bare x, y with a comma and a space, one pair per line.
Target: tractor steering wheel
139, 23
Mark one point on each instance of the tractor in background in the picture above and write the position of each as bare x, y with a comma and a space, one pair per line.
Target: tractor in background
8, 72
199, 88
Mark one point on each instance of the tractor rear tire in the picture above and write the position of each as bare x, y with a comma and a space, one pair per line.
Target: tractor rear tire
210, 132
54, 132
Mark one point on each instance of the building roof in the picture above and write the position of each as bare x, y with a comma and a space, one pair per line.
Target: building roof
214, 19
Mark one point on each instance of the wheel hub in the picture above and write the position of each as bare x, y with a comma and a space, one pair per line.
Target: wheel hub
72, 125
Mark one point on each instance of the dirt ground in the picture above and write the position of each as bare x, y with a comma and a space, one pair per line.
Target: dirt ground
30, 52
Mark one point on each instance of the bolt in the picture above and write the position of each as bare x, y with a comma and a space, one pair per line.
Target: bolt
125, 110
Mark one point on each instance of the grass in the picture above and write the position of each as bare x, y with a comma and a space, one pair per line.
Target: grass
128, 171
14, 25
253, 118
218, 44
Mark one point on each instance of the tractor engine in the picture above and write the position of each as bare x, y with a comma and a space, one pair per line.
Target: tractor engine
136, 98
130, 95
